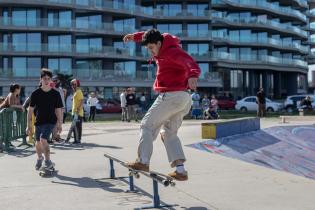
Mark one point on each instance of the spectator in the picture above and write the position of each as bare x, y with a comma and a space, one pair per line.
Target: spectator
13, 98
77, 112
214, 103
131, 105
195, 112
261, 101
306, 103
143, 103
205, 103
92, 102
123, 105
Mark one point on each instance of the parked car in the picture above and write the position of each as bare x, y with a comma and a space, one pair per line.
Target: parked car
108, 106
225, 102
293, 102
249, 104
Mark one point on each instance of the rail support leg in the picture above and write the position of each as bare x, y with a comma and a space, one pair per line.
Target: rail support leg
112, 170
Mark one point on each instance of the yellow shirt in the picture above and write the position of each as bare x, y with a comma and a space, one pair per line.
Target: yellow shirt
77, 97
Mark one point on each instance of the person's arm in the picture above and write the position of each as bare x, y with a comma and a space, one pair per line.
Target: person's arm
11, 102
190, 66
29, 120
136, 37
59, 114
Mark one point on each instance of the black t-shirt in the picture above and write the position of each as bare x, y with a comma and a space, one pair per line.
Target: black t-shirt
131, 99
45, 104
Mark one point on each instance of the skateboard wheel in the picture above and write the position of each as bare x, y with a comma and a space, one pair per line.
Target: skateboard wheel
137, 176
173, 184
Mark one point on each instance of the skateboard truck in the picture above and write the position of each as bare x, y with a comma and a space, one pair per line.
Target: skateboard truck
155, 176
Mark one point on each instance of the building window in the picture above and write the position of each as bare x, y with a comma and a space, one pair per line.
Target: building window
169, 9
204, 67
198, 30
174, 29
60, 65
89, 45
30, 42
198, 9
198, 49
59, 19
25, 17
5, 16
26, 66
122, 47
124, 25
93, 21
91, 69
126, 70
59, 43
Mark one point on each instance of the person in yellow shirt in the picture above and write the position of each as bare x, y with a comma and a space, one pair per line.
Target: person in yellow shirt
77, 111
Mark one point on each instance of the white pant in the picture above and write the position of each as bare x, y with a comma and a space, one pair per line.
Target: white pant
167, 113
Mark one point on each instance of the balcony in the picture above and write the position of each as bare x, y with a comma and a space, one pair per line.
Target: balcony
110, 76
67, 50
65, 26
264, 59
260, 23
275, 43
117, 7
267, 6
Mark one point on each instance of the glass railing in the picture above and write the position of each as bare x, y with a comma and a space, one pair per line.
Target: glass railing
19, 72
249, 58
254, 20
68, 49
269, 6
113, 75
123, 7
269, 41
60, 24
181, 14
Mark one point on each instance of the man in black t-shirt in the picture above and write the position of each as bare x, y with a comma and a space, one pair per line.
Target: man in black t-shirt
48, 105
131, 105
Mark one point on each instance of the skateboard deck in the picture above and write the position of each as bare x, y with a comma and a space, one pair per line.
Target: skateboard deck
167, 180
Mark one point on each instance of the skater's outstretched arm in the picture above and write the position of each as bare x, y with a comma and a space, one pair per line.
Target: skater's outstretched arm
136, 37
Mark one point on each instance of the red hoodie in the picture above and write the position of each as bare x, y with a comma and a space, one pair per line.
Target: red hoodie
174, 65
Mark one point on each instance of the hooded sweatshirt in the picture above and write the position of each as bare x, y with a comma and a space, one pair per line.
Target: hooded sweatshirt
174, 65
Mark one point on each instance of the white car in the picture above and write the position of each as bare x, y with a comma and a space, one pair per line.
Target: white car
249, 104
293, 102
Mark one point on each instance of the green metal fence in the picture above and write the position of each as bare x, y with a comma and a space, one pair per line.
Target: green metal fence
13, 124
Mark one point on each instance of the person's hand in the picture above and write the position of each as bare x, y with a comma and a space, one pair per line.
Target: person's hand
192, 83
128, 37
28, 130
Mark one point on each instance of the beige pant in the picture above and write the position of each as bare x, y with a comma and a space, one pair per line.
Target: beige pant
167, 113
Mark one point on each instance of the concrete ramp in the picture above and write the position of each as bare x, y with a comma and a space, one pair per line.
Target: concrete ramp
286, 148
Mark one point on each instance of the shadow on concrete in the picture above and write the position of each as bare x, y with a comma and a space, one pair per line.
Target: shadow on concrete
86, 182
82, 146
21, 152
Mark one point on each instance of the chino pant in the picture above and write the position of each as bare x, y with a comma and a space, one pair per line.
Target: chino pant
167, 112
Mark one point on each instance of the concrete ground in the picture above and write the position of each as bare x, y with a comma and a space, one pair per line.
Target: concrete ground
215, 182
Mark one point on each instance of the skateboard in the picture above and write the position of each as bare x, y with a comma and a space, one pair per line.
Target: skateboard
44, 172
162, 178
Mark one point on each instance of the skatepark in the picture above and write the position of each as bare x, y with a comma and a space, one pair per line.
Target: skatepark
265, 174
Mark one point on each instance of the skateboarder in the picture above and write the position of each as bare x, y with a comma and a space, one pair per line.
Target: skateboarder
176, 72
48, 105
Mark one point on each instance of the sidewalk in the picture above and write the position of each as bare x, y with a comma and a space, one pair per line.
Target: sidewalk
215, 182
